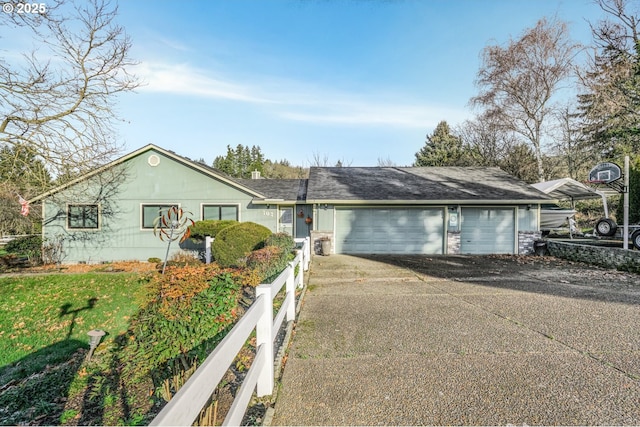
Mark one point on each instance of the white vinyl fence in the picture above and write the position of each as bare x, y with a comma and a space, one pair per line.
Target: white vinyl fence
186, 405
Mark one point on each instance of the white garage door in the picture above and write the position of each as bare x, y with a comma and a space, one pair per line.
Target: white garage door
389, 230
487, 231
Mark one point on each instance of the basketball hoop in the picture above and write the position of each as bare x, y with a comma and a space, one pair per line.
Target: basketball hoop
608, 174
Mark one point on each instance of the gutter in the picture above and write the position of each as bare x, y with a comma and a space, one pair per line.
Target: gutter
431, 202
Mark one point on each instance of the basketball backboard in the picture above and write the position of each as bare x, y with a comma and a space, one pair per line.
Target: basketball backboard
605, 173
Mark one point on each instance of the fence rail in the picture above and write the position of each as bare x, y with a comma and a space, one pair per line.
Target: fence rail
187, 403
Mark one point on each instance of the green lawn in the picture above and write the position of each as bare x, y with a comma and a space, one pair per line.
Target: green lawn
45, 318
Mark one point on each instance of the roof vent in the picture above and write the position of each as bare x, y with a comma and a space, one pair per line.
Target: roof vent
153, 160
255, 174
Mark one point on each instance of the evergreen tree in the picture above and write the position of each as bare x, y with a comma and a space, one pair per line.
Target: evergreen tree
241, 161
610, 104
634, 195
442, 148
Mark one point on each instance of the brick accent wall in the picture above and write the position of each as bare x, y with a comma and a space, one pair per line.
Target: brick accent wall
526, 241
603, 256
453, 242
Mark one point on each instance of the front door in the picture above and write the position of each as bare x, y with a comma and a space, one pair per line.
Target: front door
285, 220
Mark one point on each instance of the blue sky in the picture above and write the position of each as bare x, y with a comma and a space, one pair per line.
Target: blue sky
349, 80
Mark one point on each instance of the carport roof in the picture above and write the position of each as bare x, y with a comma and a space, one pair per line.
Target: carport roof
419, 185
567, 189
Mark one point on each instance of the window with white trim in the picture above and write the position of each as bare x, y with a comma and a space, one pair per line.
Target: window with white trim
220, 212
151, 212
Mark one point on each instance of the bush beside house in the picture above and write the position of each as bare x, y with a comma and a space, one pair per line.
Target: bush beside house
271, 260
233, 244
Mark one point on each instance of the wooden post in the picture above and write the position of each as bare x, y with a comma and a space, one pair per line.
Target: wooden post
264, 337
207, 248
290, 290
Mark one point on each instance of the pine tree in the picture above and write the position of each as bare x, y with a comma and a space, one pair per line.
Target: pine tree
241, 161
442, 148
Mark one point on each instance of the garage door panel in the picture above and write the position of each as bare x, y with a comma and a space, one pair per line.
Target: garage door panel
391, 230
487, 230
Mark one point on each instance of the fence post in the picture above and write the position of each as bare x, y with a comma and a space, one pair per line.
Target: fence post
301, 272
264, 336
307, 253
207, 248
290, 288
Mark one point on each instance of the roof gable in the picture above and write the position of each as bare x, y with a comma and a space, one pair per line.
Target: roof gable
209, 171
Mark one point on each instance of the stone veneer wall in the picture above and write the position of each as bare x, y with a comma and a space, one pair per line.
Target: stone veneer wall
453, 243
598, 255
526, 240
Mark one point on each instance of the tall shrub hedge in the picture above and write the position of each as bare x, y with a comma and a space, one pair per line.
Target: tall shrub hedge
233, 244
29, 246
187, 307
271, 260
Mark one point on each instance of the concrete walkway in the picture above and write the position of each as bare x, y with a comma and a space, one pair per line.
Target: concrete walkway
463, 341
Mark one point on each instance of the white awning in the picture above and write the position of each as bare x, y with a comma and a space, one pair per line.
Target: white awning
567, 189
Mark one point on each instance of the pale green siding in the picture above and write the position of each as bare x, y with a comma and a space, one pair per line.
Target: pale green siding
324, 218
121, 191
528, 218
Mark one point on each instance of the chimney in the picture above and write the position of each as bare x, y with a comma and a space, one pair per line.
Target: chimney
255, 174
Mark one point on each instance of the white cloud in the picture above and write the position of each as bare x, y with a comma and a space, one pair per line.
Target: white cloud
297, 101
181, 79
382, 114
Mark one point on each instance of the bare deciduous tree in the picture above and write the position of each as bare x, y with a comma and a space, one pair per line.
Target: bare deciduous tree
386, 163
59, 99
618, 33
574, 151
517, 82
489, 144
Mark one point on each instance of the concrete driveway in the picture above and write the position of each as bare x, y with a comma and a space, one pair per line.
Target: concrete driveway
495, 340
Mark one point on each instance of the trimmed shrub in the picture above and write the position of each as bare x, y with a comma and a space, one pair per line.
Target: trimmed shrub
187, 307
200, 229
233, 244
268, 262
282, 240
29, 246
181, 259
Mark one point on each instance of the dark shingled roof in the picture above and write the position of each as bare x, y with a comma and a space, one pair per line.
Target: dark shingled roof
390, 184
287, 189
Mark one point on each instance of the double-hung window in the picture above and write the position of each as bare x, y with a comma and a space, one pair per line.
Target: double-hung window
151, 212
220, 212
83, 217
